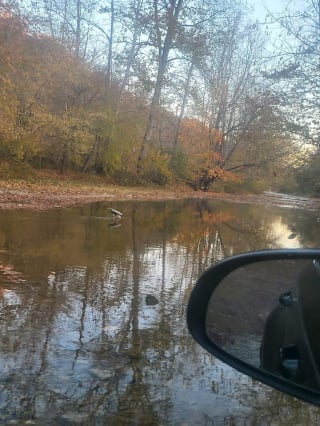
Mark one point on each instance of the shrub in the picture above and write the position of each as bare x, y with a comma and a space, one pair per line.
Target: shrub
156, 167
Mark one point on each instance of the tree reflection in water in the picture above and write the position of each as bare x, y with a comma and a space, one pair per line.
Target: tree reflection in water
80, 343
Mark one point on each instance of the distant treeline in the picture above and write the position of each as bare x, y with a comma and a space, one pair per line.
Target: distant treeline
143, 91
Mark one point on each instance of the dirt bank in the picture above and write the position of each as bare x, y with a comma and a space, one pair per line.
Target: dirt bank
55, 194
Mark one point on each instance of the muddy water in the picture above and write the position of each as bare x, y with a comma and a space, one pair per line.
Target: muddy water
92, 314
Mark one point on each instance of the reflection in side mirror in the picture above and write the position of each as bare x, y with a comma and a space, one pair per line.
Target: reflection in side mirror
260, 313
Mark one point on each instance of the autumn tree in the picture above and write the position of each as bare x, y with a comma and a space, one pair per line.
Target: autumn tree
18, 106
229, 80
133, 21
47, 118
295, 74
169, 88
166, 19
179, 35
69, 22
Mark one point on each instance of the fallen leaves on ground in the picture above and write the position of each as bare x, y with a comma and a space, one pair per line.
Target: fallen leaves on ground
48, 192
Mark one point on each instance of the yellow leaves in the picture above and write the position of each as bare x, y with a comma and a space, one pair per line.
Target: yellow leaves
156, 167
102, 122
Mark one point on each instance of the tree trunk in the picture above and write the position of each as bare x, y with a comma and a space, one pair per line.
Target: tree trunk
64, 158
90, 154
173, 14
184, 103
131, 57
78, 30
110, 48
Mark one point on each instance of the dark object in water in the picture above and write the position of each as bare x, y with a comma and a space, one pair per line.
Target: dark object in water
151, 300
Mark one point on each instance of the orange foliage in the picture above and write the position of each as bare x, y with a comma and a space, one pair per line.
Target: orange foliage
10, 274
207, 226
216, 137
199, 142
194, 137
224, 175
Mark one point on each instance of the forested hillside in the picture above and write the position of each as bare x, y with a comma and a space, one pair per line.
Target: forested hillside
159, 91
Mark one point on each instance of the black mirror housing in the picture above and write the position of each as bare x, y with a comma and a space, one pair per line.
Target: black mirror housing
197, 310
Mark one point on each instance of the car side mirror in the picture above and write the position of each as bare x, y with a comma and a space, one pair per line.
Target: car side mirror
260, 313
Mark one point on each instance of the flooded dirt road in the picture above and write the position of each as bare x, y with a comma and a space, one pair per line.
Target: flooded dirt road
92, 313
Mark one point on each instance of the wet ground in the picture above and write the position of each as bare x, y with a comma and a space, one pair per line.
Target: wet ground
92, 310
37, 196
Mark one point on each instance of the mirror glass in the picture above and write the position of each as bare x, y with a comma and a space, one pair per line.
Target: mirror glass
267, 314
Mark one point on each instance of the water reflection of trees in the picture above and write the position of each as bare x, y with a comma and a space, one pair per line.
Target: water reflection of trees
84, 346
303, 226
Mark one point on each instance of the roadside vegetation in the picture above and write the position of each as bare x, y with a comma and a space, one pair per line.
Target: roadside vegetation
178, 92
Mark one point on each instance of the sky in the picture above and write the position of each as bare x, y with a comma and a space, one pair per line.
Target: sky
261, 6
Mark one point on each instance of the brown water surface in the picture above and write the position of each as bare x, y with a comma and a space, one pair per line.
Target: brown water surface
92, 314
